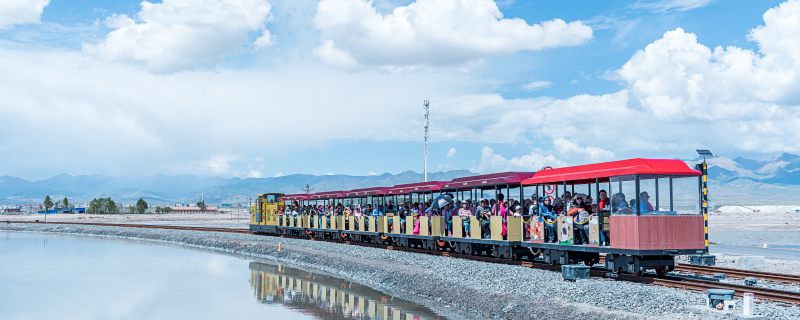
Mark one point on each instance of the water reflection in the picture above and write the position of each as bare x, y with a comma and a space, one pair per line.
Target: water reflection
328, 297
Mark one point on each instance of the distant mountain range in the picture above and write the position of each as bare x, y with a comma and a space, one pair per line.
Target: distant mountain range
162, 189
732, 181
785, 169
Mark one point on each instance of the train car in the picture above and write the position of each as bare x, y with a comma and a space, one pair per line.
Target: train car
652, 213
264, 214
640, 214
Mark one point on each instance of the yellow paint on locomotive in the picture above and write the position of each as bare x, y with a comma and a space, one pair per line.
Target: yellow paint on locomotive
265, 211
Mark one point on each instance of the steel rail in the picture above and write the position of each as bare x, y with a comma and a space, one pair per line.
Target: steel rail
738, 273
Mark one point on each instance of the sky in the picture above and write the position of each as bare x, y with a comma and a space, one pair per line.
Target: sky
262, 88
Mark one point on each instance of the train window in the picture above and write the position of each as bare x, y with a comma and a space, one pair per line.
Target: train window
664, 196
685, 195
649, 194
272, 198
623, 195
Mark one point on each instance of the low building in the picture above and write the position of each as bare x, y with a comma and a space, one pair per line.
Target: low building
193, 209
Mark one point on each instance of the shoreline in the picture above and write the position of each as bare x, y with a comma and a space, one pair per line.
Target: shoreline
471, 289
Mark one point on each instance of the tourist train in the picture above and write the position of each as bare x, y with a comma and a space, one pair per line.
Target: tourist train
638, 213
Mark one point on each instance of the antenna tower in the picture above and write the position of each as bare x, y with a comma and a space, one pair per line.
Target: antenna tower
427, 107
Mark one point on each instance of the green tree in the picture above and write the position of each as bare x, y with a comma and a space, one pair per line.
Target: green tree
65, 203
102, 206
141, 206
202, 205
48, 203
163, 209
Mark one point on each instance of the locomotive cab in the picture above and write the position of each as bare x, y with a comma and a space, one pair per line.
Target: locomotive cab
264, 214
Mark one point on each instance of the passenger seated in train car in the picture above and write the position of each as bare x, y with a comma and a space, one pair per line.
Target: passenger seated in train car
501, 209
644, 203
415, 214
517, 209
558, 206
604, 201
357, 212
483, 213
347, 211
619, 205
548, 214
465, 212
566, 200
447, 212
390, 207
581, 217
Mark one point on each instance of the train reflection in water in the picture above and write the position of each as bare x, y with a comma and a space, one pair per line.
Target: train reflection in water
328, 297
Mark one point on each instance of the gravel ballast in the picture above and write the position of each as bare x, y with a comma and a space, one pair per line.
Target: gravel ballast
455, 288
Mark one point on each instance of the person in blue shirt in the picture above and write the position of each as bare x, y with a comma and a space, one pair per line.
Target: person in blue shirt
644, 203
548, 214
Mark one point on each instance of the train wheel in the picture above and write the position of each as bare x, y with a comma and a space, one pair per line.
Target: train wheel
441, 243
662, 271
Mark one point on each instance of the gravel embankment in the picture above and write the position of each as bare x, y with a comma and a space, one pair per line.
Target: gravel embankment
452, 287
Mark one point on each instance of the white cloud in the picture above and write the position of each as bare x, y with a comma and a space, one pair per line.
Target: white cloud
13, 12
572, 149
536, 85
184, 34
432, 33
672, 5
125, 120
677, 77
564, 152
493, 162
451, 153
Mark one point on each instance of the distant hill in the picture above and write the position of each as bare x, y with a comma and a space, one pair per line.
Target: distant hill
784, 169
732, 181
162, 189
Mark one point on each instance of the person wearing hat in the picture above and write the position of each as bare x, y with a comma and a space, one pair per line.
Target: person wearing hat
465, 212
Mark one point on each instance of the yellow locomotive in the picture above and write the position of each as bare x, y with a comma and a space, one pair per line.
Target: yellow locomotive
265, 210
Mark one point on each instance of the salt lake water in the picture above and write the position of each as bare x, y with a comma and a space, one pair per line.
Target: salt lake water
53, 276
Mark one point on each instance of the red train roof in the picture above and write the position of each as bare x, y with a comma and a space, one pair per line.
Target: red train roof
297, 196
605, 170
328, 195
375, 191
418, 187
487, 180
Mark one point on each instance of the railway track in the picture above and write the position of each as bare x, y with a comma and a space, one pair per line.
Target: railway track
767, 294
738, 273
788, 297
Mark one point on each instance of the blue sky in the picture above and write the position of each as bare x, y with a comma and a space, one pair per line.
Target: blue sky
256, 88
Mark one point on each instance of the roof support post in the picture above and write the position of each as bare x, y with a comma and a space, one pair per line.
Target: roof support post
657, 196
636, 196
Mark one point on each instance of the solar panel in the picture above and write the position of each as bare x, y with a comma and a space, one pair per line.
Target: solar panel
704, 153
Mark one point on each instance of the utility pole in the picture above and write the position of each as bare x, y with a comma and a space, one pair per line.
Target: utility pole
427, 107
307, 189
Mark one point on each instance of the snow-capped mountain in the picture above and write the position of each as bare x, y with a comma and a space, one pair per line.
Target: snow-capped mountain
784, 169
